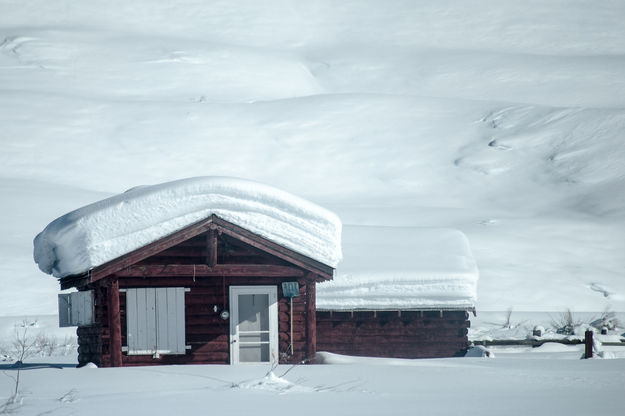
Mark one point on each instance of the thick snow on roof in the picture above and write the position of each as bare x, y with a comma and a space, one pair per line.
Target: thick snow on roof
100, 232
401, 268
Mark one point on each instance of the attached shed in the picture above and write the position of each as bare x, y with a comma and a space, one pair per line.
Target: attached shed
401, 292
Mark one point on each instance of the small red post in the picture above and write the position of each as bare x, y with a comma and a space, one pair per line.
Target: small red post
588, 344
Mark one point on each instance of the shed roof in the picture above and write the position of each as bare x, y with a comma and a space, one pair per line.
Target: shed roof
401, 268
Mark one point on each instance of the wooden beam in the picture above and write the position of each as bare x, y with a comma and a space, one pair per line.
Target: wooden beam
254, 240
211, 244
115, 325
311, 321
203, 270
74, 281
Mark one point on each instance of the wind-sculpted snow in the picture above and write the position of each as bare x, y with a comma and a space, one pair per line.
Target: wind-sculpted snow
402, 268
501, 120
100, 232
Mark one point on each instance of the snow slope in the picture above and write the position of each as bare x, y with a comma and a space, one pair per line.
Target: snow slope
501, 119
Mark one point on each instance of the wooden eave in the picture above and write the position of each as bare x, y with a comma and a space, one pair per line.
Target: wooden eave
122, 266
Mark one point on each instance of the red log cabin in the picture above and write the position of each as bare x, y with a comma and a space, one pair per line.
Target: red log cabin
210, 293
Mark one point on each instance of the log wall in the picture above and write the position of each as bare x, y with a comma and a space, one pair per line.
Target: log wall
205, 332
400, 334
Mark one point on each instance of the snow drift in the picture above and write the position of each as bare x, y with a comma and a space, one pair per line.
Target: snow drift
97, 233
402, 268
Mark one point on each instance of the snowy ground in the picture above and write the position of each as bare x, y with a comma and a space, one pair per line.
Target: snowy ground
543, 381
550, 379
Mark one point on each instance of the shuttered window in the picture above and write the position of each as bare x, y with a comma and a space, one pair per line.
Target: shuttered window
76, 309
155, 320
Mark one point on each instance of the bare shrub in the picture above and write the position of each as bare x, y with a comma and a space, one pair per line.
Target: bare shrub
507, 324
608, 320
564, 324
23, 345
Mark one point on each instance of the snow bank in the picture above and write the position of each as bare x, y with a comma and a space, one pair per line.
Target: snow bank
100, 232
402, 268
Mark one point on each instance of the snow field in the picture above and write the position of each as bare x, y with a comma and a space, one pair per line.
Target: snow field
511, 383
502, 120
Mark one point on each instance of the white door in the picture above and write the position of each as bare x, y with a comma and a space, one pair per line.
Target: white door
253, 324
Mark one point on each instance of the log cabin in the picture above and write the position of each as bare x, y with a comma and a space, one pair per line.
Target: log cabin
199, 279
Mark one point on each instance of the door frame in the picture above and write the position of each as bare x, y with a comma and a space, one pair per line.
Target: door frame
272, 292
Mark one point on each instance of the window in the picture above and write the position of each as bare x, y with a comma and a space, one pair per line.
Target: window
155, 321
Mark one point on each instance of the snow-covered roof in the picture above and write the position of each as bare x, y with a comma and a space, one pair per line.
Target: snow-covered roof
401, 268
95, 234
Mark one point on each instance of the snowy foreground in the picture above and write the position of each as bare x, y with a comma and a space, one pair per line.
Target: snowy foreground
542, 381
551, 379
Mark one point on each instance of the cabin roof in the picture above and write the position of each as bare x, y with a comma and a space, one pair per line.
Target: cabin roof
101, 232
401, 268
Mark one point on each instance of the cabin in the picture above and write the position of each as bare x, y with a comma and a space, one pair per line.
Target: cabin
226, 271
211, 293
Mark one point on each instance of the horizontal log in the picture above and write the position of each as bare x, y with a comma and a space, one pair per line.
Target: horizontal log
385, 340
210, 347
208, 330
389, 332
297, 317
194, 338
210, 318
404, 315
208, 358
297, 346
285, 327
192, 299
402, 325
202, 270
297, 336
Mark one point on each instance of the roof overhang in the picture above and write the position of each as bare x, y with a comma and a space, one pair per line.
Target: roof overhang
310, 268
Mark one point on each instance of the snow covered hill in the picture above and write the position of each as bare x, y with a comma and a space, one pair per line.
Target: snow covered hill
502, 119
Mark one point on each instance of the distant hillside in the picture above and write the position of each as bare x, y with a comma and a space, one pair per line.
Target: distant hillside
503, 120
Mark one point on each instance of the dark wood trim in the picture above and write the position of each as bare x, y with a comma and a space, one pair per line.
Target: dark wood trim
311, 321
202, 270
115, 325
211, 240
218, 225
149, 250
74, 281
323, 271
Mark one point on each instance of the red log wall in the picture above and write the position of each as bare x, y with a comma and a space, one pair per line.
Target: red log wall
206, 333
407, 334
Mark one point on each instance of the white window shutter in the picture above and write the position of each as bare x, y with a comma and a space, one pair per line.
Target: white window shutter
155, 320
132, 320
76, 309
82, 307
64, 310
